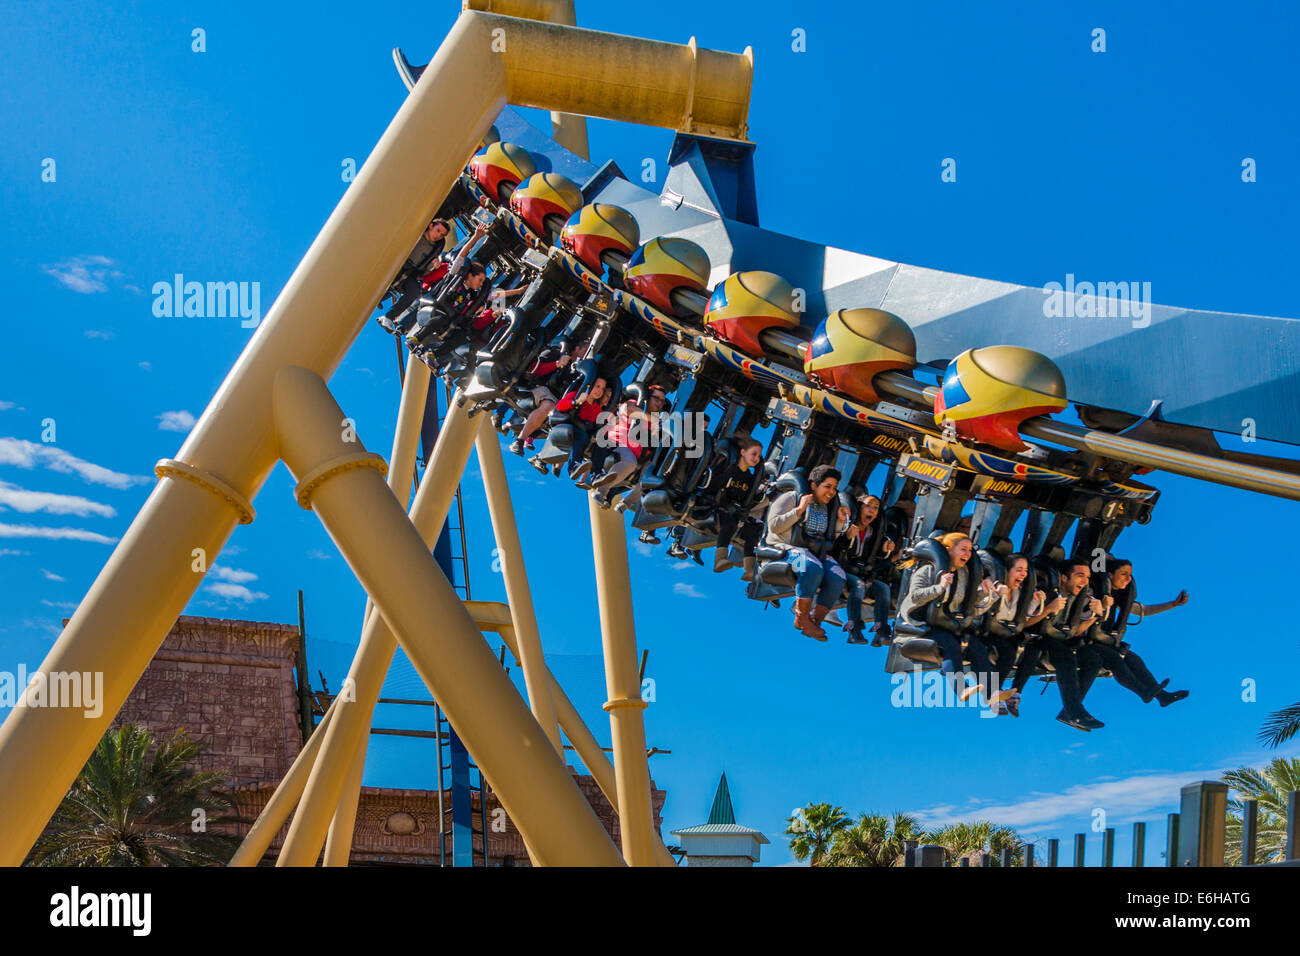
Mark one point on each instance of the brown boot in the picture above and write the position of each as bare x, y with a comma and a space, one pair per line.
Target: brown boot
803, 621
750, 562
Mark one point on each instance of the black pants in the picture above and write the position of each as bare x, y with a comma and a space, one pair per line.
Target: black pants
1130, 671
750, 531
1006, 648
409, 291
976, 653
1069, 664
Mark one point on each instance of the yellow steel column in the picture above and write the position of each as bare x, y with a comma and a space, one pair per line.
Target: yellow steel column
401, 471
567, 129
330, 792
522, 613
492, 616
268, 823
338, 480
152, 574
484, 61
623, 684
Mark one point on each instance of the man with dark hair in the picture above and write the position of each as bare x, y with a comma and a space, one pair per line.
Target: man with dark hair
1069, 616
421, 263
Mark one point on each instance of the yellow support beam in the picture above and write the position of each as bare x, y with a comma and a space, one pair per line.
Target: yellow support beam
623, 684
485, 62
342, 483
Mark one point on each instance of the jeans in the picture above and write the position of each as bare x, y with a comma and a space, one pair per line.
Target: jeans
953, 663
818, 578
578, 450
1129, 671
858, 592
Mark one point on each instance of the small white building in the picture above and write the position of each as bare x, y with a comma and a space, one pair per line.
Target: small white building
721, 841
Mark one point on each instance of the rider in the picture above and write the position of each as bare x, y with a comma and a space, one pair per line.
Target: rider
806, 526
1007, 627
950, 587
855, 550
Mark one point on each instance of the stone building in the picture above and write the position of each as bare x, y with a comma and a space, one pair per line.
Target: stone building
232, 684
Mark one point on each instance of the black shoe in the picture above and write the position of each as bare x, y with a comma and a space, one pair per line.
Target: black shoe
1090, 722
1166, 698
517, 446
695, 556
855, 634
1074, 722
648, 537
883, 635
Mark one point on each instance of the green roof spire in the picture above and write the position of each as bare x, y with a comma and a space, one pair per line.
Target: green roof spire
722, 812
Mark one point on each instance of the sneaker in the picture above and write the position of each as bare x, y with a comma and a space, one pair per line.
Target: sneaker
540, 465
608, 478
582, 468
675, 550
1166, 698
517, 447
528, 443
387, 324
621, 507
1012, 704
556, 469
648, 537
695, 556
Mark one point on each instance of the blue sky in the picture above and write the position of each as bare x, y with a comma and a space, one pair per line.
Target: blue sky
222, 165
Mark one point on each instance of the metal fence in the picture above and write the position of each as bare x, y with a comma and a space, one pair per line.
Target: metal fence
1195, 836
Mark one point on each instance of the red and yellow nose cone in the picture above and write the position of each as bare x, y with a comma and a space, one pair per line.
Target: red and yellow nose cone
988, 392
853, 346
598, 228
500, 167
542, 195
662, 265
746, 304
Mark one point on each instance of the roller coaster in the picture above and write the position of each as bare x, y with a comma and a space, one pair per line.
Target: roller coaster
949, 393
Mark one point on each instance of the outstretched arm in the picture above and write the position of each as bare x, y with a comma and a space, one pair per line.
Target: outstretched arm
1146, 610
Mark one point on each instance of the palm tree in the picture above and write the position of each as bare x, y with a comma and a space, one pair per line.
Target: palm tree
1281, 726
135, 803
813, 829
875, 840
1270, 787
970, 839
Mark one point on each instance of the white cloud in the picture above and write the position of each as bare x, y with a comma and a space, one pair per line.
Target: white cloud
53, 534
7, 406
318, 555
51, 576
686, 590
97, 334
85, 274
235, 592
146, 366
181, 421
643, 549
28, 502
61, 605
30, 454
233, 575
1128, 798
8, 551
